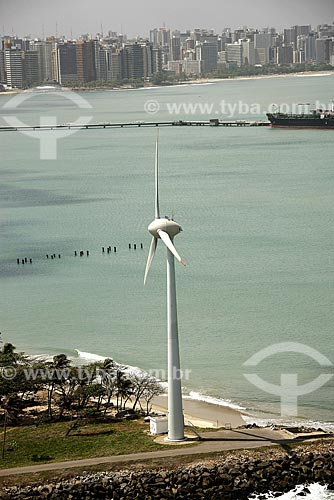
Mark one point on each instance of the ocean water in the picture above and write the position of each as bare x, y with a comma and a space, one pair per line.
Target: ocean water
313, 492
256, 207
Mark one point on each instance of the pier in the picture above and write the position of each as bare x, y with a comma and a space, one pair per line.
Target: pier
214, 122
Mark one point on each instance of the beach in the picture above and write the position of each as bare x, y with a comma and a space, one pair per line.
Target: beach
202, 414
196, 81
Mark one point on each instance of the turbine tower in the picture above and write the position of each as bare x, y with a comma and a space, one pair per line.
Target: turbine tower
166, 229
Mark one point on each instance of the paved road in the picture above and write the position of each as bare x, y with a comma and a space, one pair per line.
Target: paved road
212, 442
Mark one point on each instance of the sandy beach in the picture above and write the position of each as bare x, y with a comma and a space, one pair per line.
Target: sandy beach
198, 81
202, 414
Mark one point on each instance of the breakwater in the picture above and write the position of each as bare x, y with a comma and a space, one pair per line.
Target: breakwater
235, 476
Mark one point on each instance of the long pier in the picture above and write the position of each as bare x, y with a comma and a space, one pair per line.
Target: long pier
179, 123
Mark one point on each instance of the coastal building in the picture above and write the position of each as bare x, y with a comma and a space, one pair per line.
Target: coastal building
191, 67
31, 68
148, 59
207, 53
14, 67
175, 48
116, 66
262, 56
64, 62
134, 61
85, 61
323, 50
285, 55
263, 40
43, 50
234, 53
157, 57
3, 78
248, 52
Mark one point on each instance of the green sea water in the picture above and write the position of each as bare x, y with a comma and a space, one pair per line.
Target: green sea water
256, 206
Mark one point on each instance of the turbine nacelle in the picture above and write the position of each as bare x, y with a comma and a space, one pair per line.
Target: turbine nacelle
168, 226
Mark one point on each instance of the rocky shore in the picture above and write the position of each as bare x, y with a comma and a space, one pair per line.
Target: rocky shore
234, 476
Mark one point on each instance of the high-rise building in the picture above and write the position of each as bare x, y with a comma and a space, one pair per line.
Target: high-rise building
154, 37
175, 48
207, 53
2, 67
323, 50
157, 59
31, 70
263, 40
234, 53
104, 66
310, 47
14, 67
85, 61
43, 50
262, 56
285, 55
148, 59
290, 36
116, 66
64, 62
135, 61
248, 52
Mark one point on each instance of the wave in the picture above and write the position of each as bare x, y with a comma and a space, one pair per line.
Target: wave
84, 357
315, 74
313, 491
286, 422
89, 356
215, 401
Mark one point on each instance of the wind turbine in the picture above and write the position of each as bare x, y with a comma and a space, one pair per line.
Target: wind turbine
166, 229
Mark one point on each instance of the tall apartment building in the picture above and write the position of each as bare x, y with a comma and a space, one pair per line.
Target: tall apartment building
157, 59
248, 52
2, 67
116, 66
148, 59
234, 53
134, 61
285, 55
263, 40
323, 50
43, 50
103, 62
14, 67
175, 48
64, 62
31, 69
207, 53
85, 61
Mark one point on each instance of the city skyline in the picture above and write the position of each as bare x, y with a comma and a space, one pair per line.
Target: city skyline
39, 18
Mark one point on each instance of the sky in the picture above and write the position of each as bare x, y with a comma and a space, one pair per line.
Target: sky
137, 17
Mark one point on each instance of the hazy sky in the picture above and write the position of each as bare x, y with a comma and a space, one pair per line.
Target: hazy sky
137, 17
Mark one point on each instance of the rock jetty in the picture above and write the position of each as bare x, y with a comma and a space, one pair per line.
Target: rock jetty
233, 476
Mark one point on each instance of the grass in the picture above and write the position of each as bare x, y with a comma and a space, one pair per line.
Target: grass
31, 445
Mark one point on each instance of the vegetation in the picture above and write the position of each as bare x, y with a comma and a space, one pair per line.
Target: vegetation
30, 445
169, 77
46, 404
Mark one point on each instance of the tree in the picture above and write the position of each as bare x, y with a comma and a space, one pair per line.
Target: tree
145, 387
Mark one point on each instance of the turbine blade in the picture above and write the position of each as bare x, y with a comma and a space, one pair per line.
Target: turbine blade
157, 210
151, 253
169, 244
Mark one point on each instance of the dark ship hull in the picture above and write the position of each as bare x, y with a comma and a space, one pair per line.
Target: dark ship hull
314, 120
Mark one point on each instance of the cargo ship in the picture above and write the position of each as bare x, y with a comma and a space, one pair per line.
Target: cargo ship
317, 118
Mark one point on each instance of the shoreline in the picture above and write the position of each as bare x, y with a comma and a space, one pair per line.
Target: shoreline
202, 414
198, 81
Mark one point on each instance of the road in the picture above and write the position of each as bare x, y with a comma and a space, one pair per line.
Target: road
211, 442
